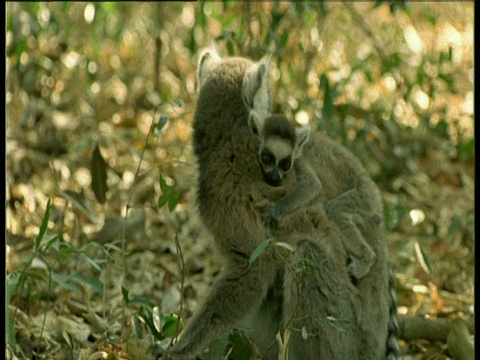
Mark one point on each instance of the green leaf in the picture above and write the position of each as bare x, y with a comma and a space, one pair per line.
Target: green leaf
399, 5
448, 79
173, 199
442, 128
178, 102
420, 75
430, 17
137, 326
258, 251
95, 263
394, 214
148, 317
78, 199
304, 333
170, 325
230, 47
12, 283
162, 200
241, 349
125, 294
467, 149
108, 7
89, 282
36, 276
285, 245
158, 319
309, 17
113, 247
219, 347
10, 327
284, 38
52, 241
98, 169
377, 4
43, 226
455, 225
368, 75
161, 124
327, 97
65, 251
64, 281
442, 57
450, 53
163, 185
93, 245
335, 323
141, 300
169, 195
201, 19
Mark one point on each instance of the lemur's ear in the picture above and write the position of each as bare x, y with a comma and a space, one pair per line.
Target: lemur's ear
256, 122
256, 92
206, 60
302, 135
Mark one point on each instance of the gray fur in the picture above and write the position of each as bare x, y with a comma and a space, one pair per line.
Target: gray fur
266, 296
371, 296
346, 208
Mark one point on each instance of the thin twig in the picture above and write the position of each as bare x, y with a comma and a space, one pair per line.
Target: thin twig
49, 289
132, 189
181, 265
127, 208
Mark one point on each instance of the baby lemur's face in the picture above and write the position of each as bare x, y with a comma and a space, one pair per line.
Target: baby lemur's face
276, 158
280, 145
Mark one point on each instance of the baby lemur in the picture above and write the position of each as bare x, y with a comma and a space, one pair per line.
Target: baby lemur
316, 312
280, 150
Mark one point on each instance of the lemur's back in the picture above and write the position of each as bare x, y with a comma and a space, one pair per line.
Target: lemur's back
230, 179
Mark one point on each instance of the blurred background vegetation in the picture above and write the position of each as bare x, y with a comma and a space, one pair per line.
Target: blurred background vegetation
99, 103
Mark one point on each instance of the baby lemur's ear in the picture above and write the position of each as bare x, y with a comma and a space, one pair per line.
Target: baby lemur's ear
302, 135
255, 90
206, 59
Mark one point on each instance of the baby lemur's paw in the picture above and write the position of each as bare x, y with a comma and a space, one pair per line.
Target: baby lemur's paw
272, 216
357, 269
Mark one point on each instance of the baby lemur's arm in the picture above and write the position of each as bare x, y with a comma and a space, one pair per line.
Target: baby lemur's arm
355, 200
306, 188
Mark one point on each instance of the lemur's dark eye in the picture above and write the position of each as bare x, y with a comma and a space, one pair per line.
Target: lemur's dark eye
285, 164
267, 159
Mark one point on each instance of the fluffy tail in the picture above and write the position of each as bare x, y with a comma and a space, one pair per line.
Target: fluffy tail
393, 329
